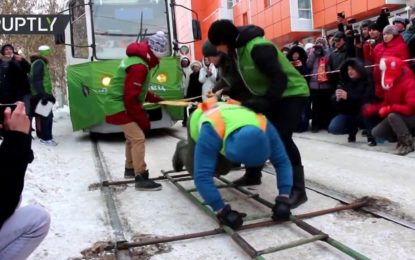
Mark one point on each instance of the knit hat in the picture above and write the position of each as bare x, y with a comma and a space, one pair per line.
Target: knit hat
366, 23
248, 145
374, 26
399, 19
223, 31
321, 40
209, 50
3, 48
339, 35
390, 29
44, 50
158, 44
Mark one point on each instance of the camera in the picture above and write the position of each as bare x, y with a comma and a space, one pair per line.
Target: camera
385, 11
351, 20
341, 15
2, 108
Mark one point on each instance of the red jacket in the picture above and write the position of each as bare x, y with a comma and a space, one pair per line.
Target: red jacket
135, 78
395, 48
400, 98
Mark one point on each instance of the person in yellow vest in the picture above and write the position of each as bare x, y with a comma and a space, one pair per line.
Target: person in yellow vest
271, 85
222, 131
124, 103
41, 89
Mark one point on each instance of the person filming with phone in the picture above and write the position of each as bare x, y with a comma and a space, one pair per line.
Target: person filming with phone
22, 229
14, 81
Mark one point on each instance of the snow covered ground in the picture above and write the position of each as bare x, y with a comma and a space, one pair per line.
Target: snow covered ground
60, 177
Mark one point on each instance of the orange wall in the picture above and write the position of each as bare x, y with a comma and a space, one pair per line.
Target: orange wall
208, 13
276, 20
325, 11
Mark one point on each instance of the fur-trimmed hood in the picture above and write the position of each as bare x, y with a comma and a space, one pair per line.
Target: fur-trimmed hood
142, 50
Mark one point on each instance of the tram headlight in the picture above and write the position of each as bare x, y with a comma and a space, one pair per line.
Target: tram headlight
105, 81
161, 78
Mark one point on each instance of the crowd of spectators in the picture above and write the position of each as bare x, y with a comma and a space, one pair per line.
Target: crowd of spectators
349, 90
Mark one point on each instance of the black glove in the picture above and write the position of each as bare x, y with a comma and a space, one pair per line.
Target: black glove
44, 100
231, 218
281, 209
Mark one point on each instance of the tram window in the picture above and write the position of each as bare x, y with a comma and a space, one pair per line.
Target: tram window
79, 30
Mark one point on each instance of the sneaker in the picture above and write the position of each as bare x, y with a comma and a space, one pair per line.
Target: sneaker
50, 142
371, 141
129, 173
141, 183
351, 139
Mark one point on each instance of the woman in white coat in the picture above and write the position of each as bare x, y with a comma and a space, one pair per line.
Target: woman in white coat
208, 76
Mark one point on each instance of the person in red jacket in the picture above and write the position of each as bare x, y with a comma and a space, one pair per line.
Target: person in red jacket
397, 109
124, 104
393, 46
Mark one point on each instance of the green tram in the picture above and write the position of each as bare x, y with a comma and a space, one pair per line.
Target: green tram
99, 32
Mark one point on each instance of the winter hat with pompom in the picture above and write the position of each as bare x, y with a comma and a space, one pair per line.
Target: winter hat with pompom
158, 44
390, 29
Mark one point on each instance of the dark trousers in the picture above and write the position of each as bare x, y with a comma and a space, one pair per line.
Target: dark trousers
394, 126
44, 127
321, 108
286, 117
346, 124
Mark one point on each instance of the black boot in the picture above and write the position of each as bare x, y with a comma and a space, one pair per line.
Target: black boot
142, 182
129, 173
298, 195
405, 144
179, 155
252, 176
371, 141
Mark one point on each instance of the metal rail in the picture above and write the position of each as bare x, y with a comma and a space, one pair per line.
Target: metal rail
343, 199
122, 254
217, 231
252, 252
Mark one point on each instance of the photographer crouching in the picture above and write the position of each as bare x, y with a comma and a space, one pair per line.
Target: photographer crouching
21, 229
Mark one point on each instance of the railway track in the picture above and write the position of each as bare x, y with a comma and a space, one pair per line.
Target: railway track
122, 247
346, 199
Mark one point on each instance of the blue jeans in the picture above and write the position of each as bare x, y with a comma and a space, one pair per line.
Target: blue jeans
345, 124
23, 231
44, 127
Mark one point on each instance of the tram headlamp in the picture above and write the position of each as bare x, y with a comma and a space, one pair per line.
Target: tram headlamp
105, 81
161, 78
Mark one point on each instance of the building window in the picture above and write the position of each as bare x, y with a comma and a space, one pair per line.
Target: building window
245, 19
304, 9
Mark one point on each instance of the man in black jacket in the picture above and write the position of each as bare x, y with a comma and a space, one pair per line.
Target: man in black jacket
21, 229
14, 80
271, 86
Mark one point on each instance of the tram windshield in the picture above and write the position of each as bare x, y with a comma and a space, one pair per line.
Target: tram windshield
117, 23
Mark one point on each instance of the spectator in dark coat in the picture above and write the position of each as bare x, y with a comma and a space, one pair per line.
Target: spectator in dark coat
14, 81
195, 87
320, 87
357, 90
